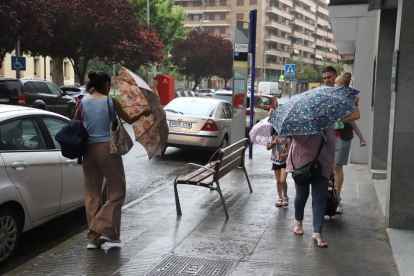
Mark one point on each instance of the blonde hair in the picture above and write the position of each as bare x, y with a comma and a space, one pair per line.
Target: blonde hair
346, 78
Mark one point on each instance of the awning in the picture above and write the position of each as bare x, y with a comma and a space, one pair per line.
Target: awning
318, 57
296, 51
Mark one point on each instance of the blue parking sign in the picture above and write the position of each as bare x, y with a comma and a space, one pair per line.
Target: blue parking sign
18, 63
290, 70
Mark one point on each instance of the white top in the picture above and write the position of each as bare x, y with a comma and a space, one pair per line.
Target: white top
281, 147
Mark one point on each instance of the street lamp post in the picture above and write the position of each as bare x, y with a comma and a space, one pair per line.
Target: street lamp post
264, 65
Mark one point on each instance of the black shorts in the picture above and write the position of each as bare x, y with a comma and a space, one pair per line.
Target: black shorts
278, 167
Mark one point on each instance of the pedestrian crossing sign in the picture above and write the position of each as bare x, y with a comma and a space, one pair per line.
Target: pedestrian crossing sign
290, 70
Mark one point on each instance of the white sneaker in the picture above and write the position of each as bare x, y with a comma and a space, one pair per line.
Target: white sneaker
92, 245
339, 210
104, 239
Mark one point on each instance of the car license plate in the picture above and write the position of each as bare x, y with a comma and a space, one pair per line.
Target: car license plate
180, 124
3, 100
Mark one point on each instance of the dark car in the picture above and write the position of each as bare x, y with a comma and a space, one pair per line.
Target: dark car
36, 93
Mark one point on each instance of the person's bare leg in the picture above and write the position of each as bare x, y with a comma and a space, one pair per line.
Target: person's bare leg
283, 176
279, 189
356, 130
339, 177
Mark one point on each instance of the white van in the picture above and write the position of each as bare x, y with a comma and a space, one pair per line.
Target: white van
270, 88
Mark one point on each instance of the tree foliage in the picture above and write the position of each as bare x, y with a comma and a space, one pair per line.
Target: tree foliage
17, 21
167, 19
203, 55
83, 30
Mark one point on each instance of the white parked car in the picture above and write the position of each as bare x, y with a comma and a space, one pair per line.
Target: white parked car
199, 122
37, 184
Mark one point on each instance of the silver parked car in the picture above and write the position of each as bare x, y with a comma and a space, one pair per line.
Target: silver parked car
37, 184
199, 122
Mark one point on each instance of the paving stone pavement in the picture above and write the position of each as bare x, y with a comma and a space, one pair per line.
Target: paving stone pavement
258, 237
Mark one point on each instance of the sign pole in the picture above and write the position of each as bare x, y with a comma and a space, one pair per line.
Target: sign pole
252, 48
18, 55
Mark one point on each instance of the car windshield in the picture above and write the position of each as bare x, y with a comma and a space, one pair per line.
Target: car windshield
266, 100
9, 88
223, 97
191, 108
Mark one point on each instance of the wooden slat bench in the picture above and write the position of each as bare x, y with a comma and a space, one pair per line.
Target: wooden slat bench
228, 159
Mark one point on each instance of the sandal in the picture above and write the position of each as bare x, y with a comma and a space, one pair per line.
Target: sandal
319, 240
298, 228
285, 203
279, 203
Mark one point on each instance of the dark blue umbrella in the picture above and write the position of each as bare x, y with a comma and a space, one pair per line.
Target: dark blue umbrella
313, 111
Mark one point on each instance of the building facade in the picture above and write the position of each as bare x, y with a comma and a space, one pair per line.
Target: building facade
285, 29
35, 68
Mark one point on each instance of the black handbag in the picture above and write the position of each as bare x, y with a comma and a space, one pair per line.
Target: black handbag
309, 172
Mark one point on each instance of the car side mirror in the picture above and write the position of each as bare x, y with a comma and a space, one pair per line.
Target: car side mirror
64, 93
267, 108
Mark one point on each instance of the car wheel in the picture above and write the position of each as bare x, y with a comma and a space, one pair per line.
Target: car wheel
223, 143
10, 230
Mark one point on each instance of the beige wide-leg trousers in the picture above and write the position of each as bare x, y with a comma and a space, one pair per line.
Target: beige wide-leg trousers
103, 219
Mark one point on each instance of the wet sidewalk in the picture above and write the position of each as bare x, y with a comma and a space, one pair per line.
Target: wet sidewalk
257, 239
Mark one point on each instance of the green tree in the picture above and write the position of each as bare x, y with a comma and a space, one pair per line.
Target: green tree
167, 19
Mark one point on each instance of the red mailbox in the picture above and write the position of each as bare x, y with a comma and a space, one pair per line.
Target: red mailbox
165, 88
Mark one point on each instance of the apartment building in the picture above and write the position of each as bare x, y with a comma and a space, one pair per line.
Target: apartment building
285, 29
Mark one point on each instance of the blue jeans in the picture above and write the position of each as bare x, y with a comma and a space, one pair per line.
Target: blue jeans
319, 190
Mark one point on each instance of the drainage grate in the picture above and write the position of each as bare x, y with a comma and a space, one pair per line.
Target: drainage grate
186, 266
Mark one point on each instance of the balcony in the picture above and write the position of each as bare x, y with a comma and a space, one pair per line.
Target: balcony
305, 36
277, 25
321, 53
304, 24
277, 11
277, 39
329, 35
309, 3
322, 21
320, 42
323, 10
306, 60
278, 53
287, 2
304, 12
194, 10
218, 23
217, 8
304, 48
213, 23
319, 62
331, 55
274, 65
320, 32
331, 45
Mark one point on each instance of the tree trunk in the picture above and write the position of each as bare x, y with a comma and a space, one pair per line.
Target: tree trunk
57, 71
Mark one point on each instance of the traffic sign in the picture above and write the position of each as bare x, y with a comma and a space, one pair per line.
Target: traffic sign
290, 70
18, 63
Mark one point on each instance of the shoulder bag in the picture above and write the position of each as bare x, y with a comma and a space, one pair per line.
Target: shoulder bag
120, 141
73, 137
309, 172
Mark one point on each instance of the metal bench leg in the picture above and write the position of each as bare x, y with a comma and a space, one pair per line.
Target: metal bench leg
222, 199
177, 200
248, 180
